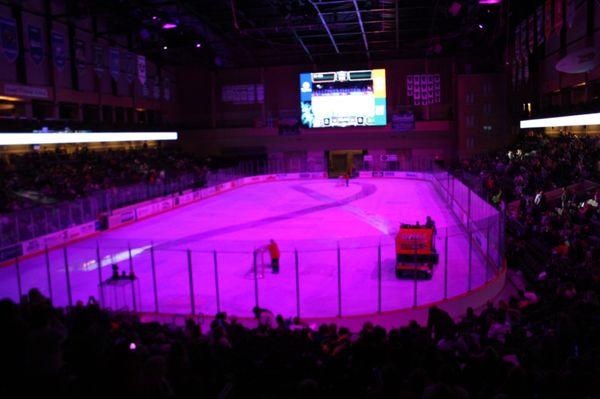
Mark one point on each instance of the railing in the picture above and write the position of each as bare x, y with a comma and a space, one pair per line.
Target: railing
38, 221
194, 274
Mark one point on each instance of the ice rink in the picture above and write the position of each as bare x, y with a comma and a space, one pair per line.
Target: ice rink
313, 217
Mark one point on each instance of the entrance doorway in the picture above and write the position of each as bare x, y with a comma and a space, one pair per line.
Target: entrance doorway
341, 161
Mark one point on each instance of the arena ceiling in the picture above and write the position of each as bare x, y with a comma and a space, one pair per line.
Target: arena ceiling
266, 32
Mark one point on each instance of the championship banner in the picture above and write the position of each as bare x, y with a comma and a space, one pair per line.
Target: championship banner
531, 35
98, 58
141, 69
570, 13
36, 44
114, 63
525, 72
518, 42
548, 19
129, 66
524, 40
8, 36
80, 59
424, 89
558, 15
58, 50
540, 24
146, 88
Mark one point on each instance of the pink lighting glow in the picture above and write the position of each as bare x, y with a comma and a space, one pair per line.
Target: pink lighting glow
487, 2
169, 25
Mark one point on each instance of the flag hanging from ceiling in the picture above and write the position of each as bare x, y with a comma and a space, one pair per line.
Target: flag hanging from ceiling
570, 13
558, 15
141, 69
531, 33
540, 24
98, 58
524, 40
80, 60
114, 62
129, 66
36, 44
518, 42
9, 40
548, 19
58, 50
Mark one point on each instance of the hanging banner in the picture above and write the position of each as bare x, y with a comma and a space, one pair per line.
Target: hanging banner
156, 89
98, 58
570, 13
129, 66
58, 50
80, 56
558, 15
518, 42
525, 72
513, 73
114, 63
531, 35
141, 69
36, 44
548, 19
540, 24
524, 40
8, 36
146, 88
167, 89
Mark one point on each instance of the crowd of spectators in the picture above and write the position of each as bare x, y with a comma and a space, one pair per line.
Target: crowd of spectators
541, 343
535, 163
501, 353
564, 230
36, 177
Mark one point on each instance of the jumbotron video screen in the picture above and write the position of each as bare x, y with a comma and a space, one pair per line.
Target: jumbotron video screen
343, 98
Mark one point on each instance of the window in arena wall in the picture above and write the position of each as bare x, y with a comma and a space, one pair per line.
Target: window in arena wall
470, 121
470, 143
487, 88
470, 98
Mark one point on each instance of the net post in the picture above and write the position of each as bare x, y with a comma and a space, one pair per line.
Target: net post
415, 280
217, 295
487, 253
68, 277
448, 188
48, 274
132, 275
379, 278
470, 261
296, 266
99, 266
255, 280
339, 278
446, 265
19, 286
191, 280
154, 287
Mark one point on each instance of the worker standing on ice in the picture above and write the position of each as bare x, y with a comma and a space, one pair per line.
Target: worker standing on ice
274, 252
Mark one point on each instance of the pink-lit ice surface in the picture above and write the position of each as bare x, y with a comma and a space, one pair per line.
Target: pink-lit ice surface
312, 217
